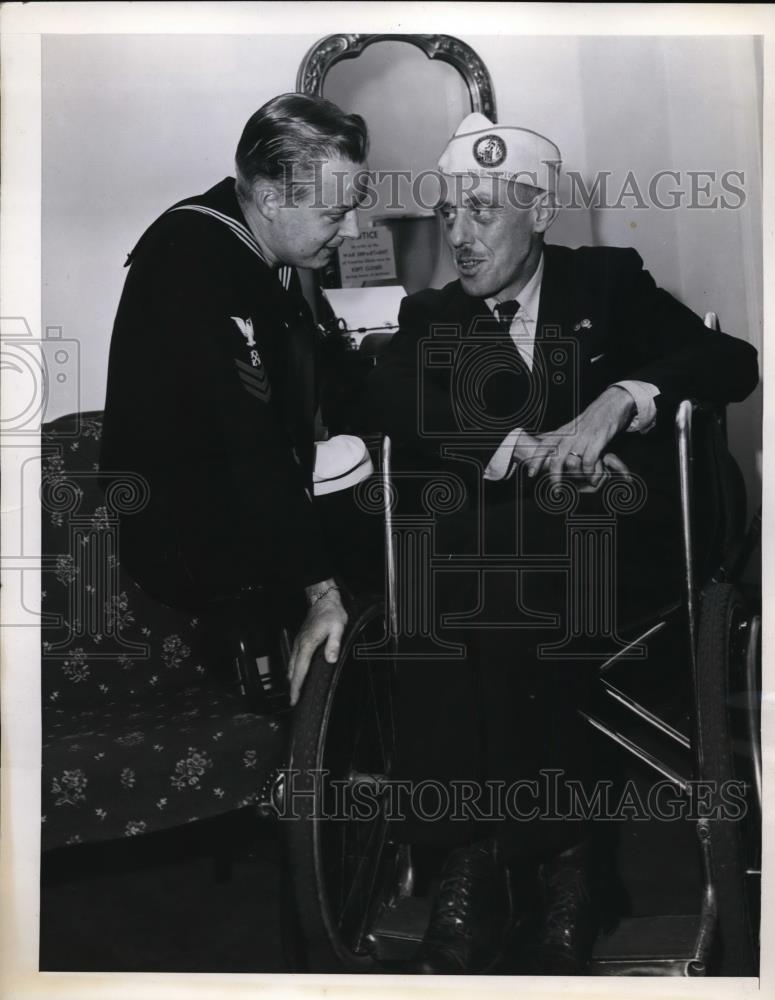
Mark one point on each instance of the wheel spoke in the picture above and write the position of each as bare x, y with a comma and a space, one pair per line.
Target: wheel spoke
360, 717
366, 875
362, 856
375, 703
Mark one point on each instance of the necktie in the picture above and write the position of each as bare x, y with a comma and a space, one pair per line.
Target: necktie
506, 312
504, 389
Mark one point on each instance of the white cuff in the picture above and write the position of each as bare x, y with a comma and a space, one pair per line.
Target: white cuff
643, 394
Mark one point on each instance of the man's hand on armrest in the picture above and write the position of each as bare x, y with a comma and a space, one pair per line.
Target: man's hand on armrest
324, 622
627, 405
578, 448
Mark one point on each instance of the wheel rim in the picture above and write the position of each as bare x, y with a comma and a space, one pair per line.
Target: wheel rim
355, 759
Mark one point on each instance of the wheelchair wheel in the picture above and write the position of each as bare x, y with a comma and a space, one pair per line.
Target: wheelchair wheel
341, 864
726, 757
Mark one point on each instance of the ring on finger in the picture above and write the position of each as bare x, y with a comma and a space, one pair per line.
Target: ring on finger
576, 455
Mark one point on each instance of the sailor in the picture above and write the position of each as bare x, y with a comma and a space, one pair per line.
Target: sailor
211, 389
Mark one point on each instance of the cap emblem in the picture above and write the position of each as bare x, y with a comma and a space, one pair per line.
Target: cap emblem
490, 150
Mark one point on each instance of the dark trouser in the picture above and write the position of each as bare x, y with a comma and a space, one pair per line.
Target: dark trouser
243, 624
248, 646
354, 538
241, 630
507, 714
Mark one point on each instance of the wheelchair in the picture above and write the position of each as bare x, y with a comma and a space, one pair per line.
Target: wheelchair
351, 902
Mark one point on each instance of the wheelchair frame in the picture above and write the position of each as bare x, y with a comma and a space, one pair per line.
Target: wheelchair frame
385, 931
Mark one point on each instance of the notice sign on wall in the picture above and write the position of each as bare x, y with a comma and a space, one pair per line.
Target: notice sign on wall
368, 258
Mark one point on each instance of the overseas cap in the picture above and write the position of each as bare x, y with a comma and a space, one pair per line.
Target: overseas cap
488, 150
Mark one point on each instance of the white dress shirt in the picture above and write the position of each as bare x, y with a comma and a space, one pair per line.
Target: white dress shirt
523, 333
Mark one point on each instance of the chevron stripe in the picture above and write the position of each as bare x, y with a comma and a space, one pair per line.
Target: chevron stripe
259, 388
256, 383
262, 393
247, 371
255, 380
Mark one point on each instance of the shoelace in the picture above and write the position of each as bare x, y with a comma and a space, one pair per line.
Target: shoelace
569, 891
453, 900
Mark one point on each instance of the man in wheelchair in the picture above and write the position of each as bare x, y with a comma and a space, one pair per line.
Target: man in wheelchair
544, 382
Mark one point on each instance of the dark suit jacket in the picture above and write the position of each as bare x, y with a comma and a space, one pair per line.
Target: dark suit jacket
223, 437
601, 319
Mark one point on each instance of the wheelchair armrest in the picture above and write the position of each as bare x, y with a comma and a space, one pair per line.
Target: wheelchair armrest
386, 456
683, 434
725, 484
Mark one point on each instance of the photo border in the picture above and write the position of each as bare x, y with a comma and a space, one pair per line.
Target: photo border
21, 27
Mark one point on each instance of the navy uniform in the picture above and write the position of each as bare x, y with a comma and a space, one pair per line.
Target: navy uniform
211, 398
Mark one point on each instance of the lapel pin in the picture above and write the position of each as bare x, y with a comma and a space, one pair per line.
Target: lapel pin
583, 324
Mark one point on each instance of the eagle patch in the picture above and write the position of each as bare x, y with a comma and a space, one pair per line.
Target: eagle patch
245, 327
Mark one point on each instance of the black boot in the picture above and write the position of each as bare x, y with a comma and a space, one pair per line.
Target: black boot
570, 921
471, 915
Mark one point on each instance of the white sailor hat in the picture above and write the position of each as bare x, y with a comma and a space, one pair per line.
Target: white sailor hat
482, 148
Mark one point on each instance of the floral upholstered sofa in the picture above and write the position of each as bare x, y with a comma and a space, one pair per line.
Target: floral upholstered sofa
141, 729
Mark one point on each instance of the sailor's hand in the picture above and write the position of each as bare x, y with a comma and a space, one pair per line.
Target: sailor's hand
324, 623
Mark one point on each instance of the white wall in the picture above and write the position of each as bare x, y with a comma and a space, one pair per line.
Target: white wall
133, 123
